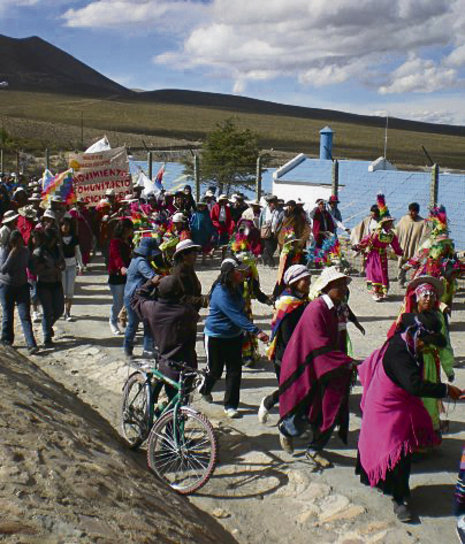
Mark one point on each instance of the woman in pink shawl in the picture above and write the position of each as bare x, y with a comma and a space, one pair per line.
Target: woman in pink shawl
394, 421
84, 229
315, 376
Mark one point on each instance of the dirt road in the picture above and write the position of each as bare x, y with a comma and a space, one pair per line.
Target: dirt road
258, 492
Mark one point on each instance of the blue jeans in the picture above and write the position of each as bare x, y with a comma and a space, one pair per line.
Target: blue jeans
11, 295
53, 304
131, 329
117, 292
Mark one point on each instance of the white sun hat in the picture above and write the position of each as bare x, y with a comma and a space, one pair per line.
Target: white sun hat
178, 218
186, 245
329, 275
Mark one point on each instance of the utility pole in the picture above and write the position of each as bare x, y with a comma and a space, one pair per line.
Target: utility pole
1, 161
82, 130
149, 164
197, 177
258, 179
386, 136
47, 159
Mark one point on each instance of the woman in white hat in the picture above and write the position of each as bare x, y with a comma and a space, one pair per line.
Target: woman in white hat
288, 310
27, 221
184, 260
316, 374
9, 220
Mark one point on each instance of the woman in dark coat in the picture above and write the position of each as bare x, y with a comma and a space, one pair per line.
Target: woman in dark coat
394, 422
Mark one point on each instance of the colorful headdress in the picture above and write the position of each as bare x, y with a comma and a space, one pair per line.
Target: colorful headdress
438, 218
239, 243
384, 214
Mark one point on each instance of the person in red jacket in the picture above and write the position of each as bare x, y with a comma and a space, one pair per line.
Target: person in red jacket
27, 221
118, 262
222, 221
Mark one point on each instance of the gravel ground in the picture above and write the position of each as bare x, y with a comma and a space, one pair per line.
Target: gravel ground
258, 492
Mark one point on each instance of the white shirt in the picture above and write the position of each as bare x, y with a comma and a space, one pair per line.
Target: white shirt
328, 301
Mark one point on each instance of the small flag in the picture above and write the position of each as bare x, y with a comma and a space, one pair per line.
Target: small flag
47, 176
59, 185
159, 177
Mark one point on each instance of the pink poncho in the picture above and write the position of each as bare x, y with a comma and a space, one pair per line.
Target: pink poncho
394, 422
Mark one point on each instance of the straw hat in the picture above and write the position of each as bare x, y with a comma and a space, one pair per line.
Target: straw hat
329, 275
252, 203
223, 197
232, 264
9, 216
35, 197
29, 212
186, 245
435, 282
110, 192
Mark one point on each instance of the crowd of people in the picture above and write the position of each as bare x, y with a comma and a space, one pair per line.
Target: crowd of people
150, 247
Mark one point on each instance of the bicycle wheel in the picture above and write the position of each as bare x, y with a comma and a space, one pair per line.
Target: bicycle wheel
182, 451
135, 410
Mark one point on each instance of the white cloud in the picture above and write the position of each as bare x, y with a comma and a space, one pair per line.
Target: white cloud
420, 75
168, 15
383, 44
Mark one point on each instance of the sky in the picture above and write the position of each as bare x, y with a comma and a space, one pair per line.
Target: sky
403, 58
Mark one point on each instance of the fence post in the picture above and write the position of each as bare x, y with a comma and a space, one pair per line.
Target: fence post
149, 164
197, 177
258, 179
335, 178
434, 186
17, 163
47, 159
1, 161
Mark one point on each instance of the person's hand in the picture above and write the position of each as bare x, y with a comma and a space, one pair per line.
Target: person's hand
124, 271
454, 392
263, 337
156, 280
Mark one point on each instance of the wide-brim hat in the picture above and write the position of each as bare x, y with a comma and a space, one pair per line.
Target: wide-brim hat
57, 199
209, 193
29, 212
19, 190
333, 198
186, 245
223, 197
290, 203
148, 248
50, 214
271, 198
110, 192
178, 218
329, 275
35, 197
253, 203
9, 216
435, 282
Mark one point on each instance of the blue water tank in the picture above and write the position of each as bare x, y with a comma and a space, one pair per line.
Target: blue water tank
326, 144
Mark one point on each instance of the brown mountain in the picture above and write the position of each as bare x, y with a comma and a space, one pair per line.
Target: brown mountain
32, 64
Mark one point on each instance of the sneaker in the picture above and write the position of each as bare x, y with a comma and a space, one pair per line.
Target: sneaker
147, 355
318, 459
403, 512
287, 444
115, 329
69, 318
36, 317
461, 529
263, 412
48, 343
33, 350
232, 413
207, 397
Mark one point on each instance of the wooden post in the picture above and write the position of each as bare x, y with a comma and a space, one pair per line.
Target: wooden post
17, 163
47, 159
197, 177
258, 179
434, 186
149, 164
1, 161
335, 178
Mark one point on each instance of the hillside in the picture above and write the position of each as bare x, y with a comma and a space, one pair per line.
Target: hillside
50, 86
65, 476
32, 64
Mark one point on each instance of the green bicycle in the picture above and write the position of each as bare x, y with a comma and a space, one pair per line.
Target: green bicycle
181, 443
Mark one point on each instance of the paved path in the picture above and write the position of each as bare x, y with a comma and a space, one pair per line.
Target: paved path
259, 492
